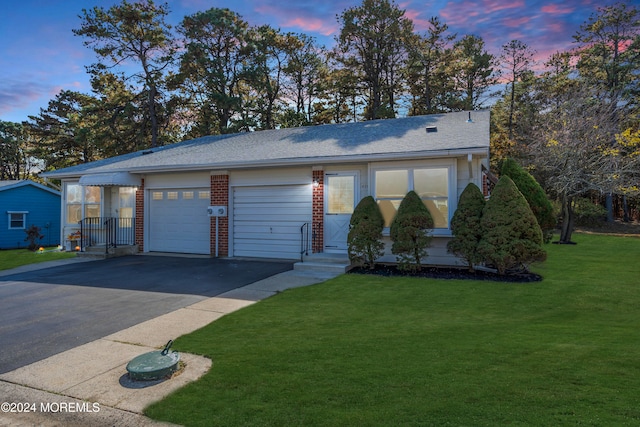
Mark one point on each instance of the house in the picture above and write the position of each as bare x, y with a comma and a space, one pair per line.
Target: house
278, 193
25, 203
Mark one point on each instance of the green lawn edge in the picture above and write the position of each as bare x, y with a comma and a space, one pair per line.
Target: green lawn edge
363, 350
13, 258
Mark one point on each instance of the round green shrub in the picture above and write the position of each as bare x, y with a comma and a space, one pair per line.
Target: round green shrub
465, 226
535, 195
410, 232
365, 233
511, 236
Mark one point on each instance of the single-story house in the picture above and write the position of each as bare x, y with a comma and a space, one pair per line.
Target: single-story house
278, 193
25, 203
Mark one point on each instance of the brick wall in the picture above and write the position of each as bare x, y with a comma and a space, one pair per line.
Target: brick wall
140, 216
220, 197
318, 212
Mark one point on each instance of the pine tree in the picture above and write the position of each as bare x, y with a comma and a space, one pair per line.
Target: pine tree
511, 236
409, 232
465, 226
365, 233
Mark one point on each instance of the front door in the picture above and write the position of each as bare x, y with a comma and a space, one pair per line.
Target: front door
340, 200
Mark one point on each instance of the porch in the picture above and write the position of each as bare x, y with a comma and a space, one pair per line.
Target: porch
106, 237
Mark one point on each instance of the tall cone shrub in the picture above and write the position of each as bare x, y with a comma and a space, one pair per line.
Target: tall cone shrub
511, 236
365, 233
535, 195
410, 232
466, 227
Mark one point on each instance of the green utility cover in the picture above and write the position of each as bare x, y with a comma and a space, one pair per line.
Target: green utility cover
154, 365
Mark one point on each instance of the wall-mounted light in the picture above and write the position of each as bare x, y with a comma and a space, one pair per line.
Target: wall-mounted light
316, 183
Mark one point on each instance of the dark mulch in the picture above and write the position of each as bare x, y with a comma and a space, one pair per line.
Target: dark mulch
449, 273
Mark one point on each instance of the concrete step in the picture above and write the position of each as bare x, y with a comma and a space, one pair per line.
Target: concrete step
327, 258
324, 263
321, 267
98, 252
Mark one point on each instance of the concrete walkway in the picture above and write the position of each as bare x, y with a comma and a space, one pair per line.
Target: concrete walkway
88, 385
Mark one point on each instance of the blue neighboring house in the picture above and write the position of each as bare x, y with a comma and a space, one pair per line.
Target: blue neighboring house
23, 204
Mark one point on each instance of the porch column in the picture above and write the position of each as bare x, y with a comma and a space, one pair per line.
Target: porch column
140, 216
220, 197
317, 225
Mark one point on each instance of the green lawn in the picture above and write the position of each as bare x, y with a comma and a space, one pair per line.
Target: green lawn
370, 351
17, 257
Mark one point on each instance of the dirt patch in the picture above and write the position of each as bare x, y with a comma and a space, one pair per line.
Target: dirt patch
448, 273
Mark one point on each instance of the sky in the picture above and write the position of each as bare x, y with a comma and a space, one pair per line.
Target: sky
40, 56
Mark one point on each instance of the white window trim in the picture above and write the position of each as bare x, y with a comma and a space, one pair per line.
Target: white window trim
450, 164
24, 219
82, 203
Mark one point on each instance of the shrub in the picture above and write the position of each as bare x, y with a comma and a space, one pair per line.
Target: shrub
33, 237
465, 226
511, 236
535, 195
587, 213
409, 232
365, 233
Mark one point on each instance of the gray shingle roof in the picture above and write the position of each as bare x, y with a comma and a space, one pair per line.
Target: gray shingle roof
378, 139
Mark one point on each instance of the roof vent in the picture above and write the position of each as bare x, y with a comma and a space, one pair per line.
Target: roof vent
144, 153
431, 129
469, 119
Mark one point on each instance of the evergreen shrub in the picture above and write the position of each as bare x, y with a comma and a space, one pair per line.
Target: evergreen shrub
365, 233
410, 232
511, 236
535, 195
466, 227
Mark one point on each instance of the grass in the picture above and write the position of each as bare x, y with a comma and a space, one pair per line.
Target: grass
13, 258
371, 351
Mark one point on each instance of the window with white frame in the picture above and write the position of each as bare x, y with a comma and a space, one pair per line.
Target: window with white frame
17, 220
82, 202
432, 184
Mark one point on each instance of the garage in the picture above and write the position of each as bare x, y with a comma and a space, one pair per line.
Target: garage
267, 220
179, 222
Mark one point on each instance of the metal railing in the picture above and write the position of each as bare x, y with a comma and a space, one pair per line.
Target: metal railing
108, 231
304, 240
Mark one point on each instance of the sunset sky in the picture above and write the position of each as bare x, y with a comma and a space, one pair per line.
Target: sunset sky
40, 56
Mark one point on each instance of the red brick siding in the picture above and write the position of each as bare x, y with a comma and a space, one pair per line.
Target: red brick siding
318, 213
220, 197
140, 216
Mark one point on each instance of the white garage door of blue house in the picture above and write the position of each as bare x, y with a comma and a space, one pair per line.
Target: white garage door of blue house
178, 221
267, 220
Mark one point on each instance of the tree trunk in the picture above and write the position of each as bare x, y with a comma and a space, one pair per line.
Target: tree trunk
567, 221
153, 116
625, 209
609, 205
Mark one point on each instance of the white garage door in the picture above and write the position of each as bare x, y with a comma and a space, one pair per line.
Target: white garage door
178, 221
267, 220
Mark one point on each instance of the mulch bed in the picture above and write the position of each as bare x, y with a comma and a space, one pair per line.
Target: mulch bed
448, 273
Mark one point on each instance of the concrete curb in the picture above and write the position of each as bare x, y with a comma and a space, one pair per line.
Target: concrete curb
88, 385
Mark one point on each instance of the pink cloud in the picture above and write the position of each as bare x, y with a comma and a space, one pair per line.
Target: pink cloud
555, 9
419, 23
299, 18
516, 22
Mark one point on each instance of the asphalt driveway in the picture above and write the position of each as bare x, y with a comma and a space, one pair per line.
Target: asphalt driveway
45, 312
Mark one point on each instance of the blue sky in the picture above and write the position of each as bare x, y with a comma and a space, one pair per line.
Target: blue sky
40, 56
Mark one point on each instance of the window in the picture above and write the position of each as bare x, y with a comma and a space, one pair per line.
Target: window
82, 202
17, 220
127, 202
430, 183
